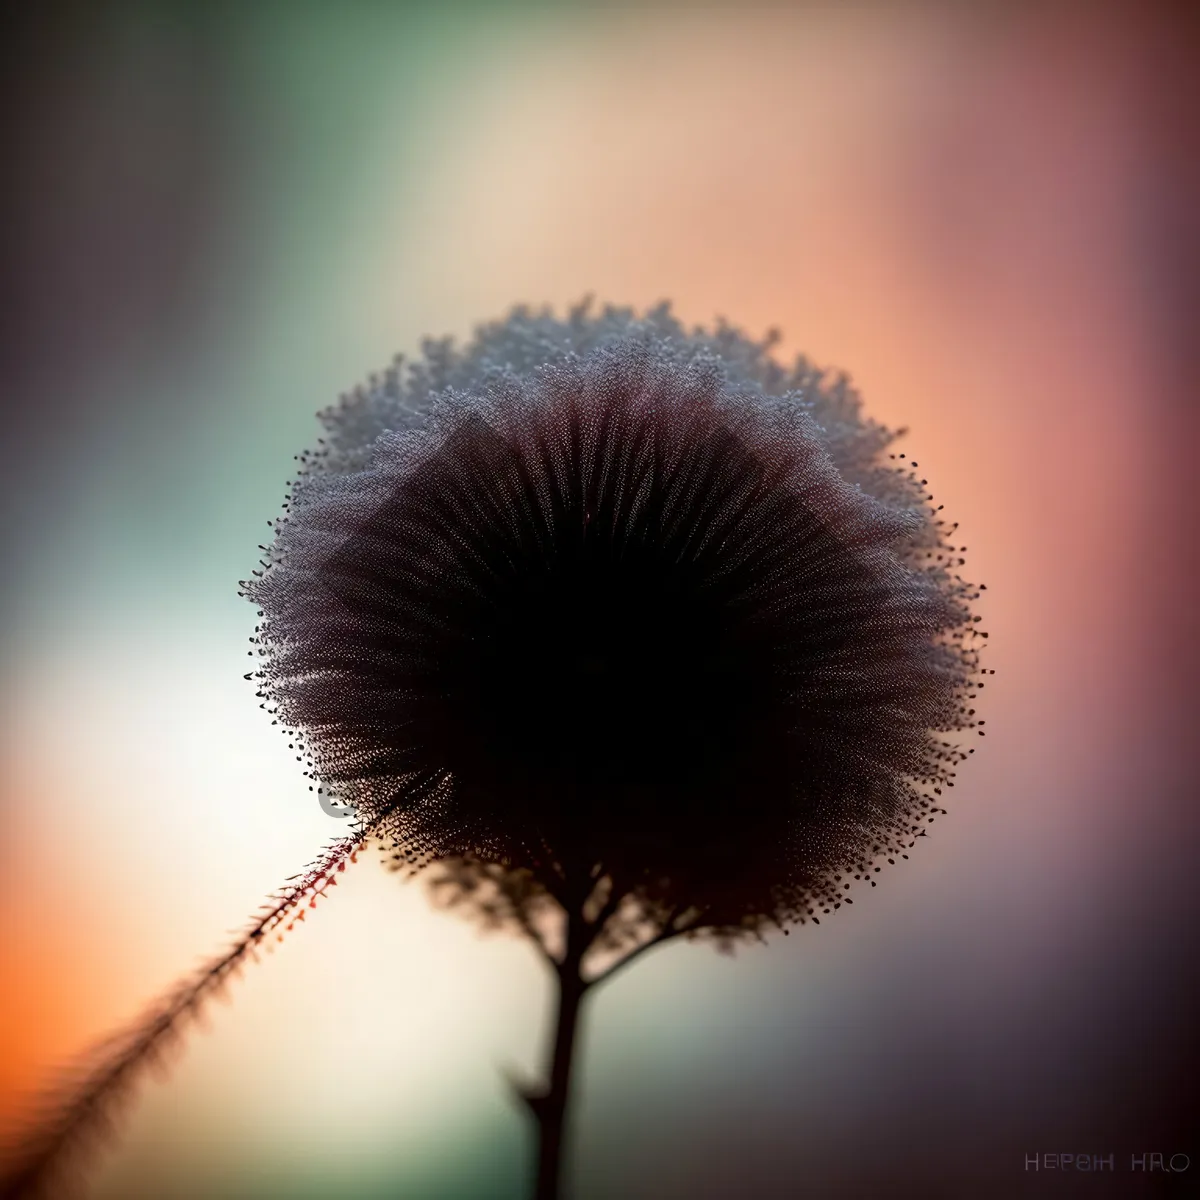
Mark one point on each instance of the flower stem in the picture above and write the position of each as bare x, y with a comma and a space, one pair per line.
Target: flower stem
551, 1104
551, 1109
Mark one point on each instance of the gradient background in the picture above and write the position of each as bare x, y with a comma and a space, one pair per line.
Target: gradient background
218, 217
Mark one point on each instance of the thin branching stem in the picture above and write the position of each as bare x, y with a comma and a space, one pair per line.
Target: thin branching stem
550, 1104
608, 908
534, 935
669, 930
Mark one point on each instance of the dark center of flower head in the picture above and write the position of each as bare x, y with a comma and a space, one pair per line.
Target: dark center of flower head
607, 668
615, 613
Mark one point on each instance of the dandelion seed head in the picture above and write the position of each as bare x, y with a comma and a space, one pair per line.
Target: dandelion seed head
603, 592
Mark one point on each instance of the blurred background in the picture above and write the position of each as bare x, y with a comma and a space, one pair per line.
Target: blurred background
217, 217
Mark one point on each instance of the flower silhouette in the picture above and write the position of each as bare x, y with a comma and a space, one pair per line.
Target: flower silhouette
628, 630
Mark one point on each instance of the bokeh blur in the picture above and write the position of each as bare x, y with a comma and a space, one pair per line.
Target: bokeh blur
221, 216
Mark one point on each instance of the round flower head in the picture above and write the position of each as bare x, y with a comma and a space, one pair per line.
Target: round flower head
633, 631
603, 598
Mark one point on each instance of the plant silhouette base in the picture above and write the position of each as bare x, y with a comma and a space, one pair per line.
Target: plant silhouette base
549, 1104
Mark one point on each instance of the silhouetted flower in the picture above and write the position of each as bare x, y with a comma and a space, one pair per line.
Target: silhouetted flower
603, 599
631, 631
